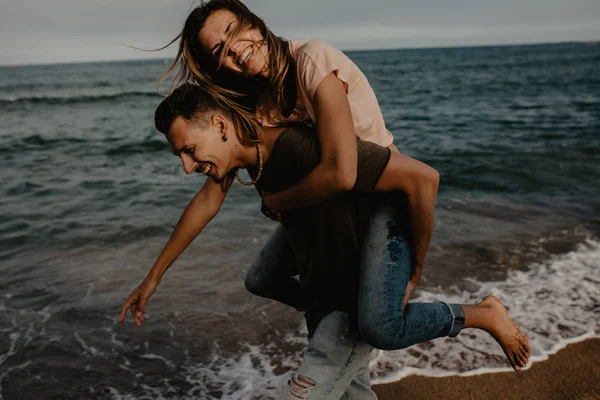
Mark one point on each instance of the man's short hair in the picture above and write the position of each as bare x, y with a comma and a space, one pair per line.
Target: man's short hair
188, 101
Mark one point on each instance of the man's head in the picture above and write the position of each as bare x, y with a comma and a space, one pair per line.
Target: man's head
199, 131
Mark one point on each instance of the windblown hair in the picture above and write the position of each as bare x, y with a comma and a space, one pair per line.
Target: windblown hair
195, 104
194, 64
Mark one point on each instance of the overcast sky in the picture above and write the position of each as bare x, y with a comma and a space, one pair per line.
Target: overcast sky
38, 31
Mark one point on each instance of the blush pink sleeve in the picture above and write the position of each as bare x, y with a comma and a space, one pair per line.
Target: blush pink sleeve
316, 60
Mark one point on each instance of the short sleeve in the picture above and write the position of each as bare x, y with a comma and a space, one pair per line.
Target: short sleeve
372, 160
316, 60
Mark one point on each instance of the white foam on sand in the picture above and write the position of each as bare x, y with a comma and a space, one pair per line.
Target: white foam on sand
251, 375
555, 303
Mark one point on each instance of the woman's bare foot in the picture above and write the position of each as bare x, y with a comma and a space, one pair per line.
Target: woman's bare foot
506, 332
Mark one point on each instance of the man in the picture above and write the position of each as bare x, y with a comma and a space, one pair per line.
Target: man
326, 239
205, 137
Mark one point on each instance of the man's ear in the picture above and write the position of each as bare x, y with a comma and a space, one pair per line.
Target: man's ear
221, 124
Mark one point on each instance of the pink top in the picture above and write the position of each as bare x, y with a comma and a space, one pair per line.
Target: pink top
314, 61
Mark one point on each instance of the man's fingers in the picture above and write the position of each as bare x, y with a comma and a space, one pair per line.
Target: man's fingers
133, 310
142, 306
137, 305
124, 310
141, 309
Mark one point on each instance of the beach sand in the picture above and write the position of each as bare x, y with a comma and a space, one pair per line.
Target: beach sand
572, 373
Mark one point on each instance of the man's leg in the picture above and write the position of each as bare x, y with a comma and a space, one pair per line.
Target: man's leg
360, 387
335, 358
269, 275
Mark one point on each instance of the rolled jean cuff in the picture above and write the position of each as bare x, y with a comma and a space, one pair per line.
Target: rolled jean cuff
458, 319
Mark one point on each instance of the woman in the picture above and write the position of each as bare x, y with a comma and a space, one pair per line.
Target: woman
326, 238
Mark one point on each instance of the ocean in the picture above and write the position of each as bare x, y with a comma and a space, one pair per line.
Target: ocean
89, 193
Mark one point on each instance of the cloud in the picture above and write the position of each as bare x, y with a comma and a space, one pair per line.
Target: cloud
72, 30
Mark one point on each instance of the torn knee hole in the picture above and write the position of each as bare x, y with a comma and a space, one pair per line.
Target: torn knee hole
300, 387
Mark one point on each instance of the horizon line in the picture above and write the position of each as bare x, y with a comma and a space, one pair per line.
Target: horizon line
433, 47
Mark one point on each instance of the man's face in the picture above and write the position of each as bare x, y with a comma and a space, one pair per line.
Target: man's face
246, 55
201, 150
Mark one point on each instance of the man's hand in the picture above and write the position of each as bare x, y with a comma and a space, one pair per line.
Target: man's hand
137, 301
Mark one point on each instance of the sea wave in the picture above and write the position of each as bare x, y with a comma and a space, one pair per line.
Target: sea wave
55, 85
461, 59
148, 145
15, 144
74, 99
554, 302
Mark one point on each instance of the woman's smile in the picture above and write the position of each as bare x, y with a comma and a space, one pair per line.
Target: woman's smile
246, 57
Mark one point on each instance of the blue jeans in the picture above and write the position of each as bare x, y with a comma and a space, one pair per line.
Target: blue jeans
269, 275
336, 363
384, 274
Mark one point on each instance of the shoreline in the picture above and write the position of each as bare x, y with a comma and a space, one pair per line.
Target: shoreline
573, 372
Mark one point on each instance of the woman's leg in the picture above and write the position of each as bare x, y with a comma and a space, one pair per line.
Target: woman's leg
269, 275
384, 274
491, 316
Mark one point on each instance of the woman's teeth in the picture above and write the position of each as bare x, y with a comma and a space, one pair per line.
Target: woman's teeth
206, 169
245, 57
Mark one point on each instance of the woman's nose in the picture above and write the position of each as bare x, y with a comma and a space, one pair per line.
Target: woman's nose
235, 46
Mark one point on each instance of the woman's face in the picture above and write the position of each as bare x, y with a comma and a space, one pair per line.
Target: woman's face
246, 55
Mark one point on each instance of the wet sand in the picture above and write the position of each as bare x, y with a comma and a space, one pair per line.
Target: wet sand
572, 373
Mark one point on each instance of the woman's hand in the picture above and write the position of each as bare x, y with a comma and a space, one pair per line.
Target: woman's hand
409, 289
267, 207
414, 279
137, 301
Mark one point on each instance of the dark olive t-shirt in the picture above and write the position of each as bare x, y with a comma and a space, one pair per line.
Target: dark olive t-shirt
325, 238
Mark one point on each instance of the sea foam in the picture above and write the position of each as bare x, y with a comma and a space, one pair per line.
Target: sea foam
554, 302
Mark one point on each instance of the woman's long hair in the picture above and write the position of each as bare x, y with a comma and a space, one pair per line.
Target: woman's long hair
194, 64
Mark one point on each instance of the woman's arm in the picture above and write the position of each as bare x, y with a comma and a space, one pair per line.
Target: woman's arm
420, 183
338, 167
199, 212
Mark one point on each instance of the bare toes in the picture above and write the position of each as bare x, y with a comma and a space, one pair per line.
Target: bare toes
514, 362
518, 361
523, 360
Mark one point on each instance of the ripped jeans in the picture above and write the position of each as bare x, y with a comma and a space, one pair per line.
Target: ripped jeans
385, 268
335, 365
